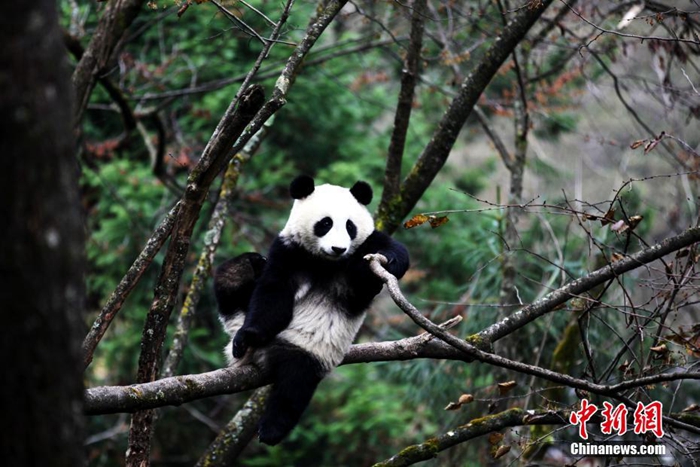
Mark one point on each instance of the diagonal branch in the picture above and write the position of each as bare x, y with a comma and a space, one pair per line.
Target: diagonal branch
438, 149
214, 158
127, 284
551, 301
489, 424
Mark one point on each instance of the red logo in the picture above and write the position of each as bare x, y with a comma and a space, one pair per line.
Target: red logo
580, 417
647, 418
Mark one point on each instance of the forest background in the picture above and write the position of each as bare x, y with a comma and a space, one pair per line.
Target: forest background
539, 160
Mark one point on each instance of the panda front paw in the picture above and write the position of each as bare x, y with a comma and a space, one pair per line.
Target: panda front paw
244, 339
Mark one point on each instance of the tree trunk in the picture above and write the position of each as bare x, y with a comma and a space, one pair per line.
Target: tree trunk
42, 259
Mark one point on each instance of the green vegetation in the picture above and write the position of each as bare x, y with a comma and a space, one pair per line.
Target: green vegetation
336, 126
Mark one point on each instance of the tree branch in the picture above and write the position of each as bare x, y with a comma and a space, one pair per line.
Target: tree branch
575, 288
214, 158
438, 149
474, 429
409, 77
117, 17
127, 284
236, 435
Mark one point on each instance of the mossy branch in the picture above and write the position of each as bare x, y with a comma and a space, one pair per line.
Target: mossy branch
474, 429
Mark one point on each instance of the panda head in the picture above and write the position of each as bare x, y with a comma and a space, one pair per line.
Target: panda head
328, 221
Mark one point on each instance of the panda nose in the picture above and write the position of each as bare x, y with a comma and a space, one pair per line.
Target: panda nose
338, 250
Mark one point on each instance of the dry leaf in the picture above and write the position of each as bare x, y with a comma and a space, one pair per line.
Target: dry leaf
465, 399
453, 406
653, 143
637, 143
436, 222
415, 221
692, 408
501, 451
634, 221
617, 257
659, 349
608, 218
495, 438
504, 388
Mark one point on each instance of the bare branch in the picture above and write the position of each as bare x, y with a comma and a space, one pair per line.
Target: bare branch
489, 424
438, 149
213, 160
575, 288
409, 77
127, 284
633, 36
117, 17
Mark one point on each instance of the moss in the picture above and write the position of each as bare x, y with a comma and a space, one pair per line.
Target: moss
412, 454
479, 342
483, 422
389, 215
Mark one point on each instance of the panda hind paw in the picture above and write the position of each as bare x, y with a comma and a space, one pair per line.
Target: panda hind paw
271, 434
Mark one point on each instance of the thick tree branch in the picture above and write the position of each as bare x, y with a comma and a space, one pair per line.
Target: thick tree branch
409, 77
438, 149
474, 429
236, 435
214, 158
127, 284
577, 287
175, 390
178, 390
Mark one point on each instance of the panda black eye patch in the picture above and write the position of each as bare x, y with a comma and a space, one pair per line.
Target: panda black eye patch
351, 228
323, 226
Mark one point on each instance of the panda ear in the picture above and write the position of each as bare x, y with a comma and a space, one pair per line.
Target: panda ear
362, 192
301, 187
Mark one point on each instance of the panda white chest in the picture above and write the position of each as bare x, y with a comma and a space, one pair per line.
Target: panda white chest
320, 324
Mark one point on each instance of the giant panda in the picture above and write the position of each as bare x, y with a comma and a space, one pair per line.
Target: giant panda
297, 311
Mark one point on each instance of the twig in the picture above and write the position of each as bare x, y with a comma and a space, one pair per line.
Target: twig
236, 20
290, 71
623, 34
443, 139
